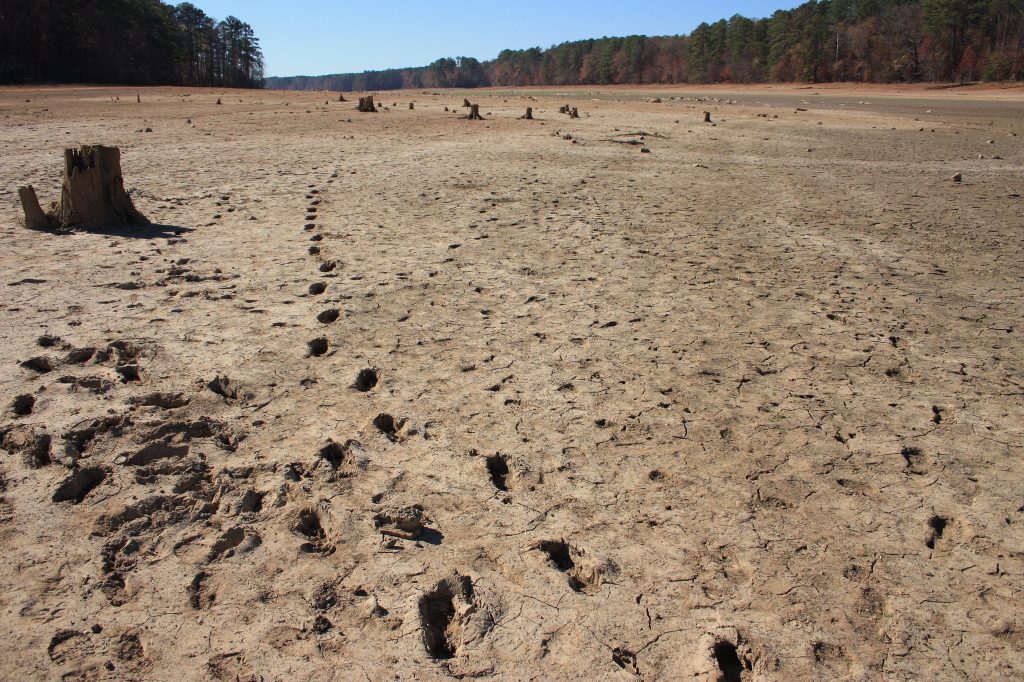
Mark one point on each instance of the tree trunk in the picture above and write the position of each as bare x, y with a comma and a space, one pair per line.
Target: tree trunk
474, 113
366, 104
707, 117
92, 195
529, 114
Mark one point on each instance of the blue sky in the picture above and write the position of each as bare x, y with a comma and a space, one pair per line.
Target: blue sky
314, 37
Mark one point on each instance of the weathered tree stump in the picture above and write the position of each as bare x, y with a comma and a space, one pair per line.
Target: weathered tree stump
574, 113
218, 101
35, 219
707, 117
465, 103
474, 113
411, 106
366, 104
562, 110
92, 194
341, 97
528, 115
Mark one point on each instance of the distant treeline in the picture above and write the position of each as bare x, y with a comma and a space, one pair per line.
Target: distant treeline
876, 41
136, 42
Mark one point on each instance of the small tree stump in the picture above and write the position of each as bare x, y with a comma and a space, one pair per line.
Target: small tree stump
563, 110
465, 103
474, 113
218, 100
366, 104
35, 219
92, 194
574, 113
528, 115
707, 117
411, 107
341, 97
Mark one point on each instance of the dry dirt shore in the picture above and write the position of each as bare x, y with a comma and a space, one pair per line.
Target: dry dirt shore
401, 395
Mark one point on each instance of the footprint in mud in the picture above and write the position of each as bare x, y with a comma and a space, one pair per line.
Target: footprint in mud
78, 484
444, 613
129, 373
583, 574
22, 405
164, 401
936, 529
497, 469
387, 425
406, 523
309, 524
366, 380
237, 540
200, 594
153, 452
39, 364
33, 446
80, 356
328, 316
338, 457
318, 346
916, 461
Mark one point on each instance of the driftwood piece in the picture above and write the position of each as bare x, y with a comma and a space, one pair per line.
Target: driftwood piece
92, 194
366, 104
474, 113
528, 115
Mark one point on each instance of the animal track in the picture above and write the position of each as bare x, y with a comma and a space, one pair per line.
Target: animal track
439, 616
328, 316
365, 380
78, 484
40, 364
497, 468
319, 346
22, 405
936, 527
310, 526
583, 575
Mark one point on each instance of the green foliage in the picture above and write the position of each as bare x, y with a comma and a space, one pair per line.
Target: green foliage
135, 42
821, 40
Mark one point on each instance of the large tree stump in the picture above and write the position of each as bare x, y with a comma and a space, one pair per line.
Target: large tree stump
92, 194
529, 114
366, 104
474, 113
